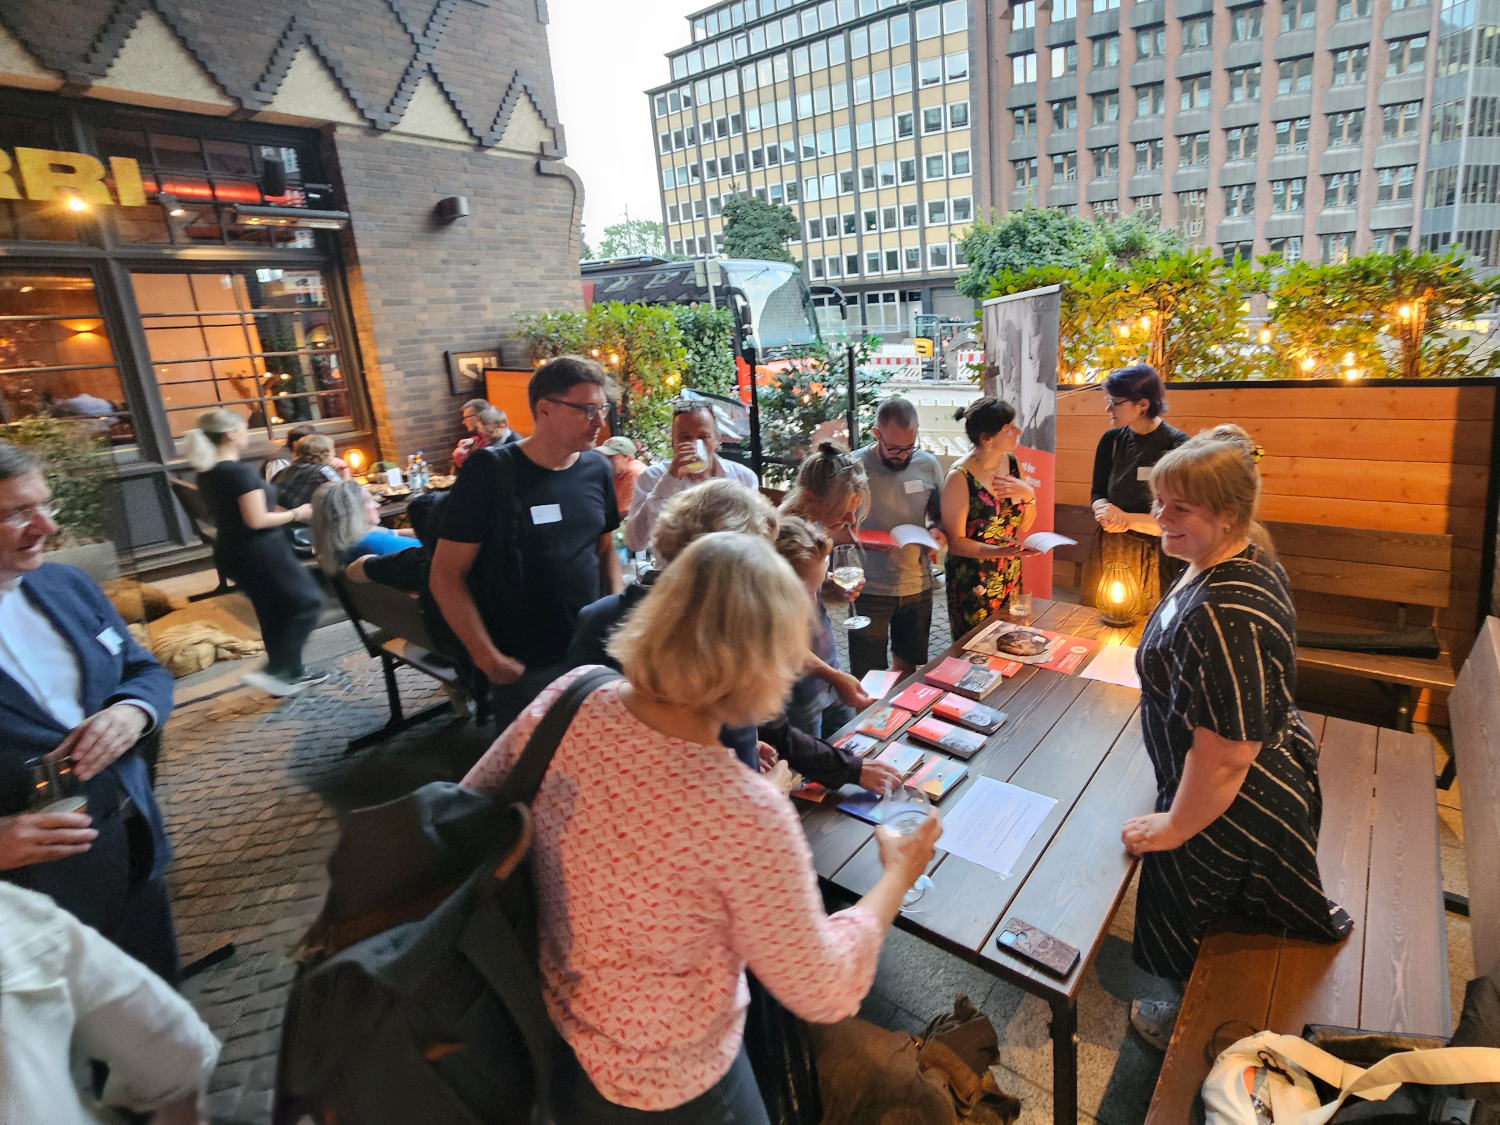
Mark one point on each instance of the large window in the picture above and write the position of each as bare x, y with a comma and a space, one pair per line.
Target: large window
56, 357
260, 342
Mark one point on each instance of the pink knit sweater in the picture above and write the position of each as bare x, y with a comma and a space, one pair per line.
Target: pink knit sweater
664, 867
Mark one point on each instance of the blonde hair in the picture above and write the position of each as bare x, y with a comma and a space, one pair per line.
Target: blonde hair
827, 482
314, 449
1216, 469
714, 505
339, 520
800, 543
723, 631
201, 445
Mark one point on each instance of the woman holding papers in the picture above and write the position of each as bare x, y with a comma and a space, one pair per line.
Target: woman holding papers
664, 868
1235, 832
987, 509
1135, 399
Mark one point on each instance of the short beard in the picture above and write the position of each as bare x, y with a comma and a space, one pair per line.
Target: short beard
896, 466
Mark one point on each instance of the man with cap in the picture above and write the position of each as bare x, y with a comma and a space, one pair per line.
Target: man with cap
621, 453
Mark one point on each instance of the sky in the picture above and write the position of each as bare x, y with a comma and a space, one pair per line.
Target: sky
605, 54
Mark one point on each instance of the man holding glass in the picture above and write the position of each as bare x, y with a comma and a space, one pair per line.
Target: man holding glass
76, 690
897, 596
695, 458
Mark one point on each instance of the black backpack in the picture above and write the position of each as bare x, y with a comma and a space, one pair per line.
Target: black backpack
419, 997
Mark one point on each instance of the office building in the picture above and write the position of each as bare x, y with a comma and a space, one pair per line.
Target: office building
1305, 127
857, 114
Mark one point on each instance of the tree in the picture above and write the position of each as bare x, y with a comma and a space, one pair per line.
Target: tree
1039, 237
812, 388
754, 228
585, 251
631, 237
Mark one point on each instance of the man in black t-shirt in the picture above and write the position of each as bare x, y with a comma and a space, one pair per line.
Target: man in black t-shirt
525, 541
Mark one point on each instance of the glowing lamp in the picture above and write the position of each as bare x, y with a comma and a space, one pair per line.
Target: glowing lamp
1348, 359
1265, 335
356, 460
1124, 330
1405, 311
613, 358
77, 203
1118, 596
1146, 323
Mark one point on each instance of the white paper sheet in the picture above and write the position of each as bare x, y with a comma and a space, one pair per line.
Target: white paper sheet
992, 824
909, 533
1044, 541
1115, 664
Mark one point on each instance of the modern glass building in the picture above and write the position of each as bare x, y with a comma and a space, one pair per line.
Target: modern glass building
858, 115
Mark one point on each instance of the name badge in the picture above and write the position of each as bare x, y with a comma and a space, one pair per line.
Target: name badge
1143, 472
914, 486
546, 513
1168, 611
111, 640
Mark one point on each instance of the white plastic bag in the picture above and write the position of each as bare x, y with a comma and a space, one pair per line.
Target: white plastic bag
1266, 1079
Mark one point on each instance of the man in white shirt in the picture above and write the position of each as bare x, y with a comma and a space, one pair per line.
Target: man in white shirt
692, 422
74, 684
65, 990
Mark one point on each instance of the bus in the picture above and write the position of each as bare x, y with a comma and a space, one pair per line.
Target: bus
773, 307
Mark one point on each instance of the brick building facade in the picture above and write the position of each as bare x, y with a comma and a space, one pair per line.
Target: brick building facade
260, 229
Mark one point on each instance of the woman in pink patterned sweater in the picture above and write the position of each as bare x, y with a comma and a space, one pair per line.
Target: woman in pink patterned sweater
664, 867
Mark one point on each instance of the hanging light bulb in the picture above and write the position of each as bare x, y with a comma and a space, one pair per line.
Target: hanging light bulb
1308, 364
1405, 311
1265, 335
77, 203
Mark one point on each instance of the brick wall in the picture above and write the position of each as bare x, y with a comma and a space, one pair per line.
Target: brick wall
420, 288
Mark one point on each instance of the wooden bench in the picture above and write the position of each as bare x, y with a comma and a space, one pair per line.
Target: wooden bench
1476, 748
1400, 568
390, 626
1379, 857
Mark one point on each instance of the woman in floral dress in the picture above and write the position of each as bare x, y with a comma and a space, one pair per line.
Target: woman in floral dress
987, 509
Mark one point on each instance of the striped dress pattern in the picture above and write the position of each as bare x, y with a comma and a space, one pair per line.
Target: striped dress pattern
1220, 652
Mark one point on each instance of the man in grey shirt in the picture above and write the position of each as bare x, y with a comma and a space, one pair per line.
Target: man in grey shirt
904, 485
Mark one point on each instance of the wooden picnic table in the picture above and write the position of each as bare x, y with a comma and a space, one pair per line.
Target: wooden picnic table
1072, 739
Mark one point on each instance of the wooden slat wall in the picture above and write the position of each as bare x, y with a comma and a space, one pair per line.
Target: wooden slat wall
1400, 458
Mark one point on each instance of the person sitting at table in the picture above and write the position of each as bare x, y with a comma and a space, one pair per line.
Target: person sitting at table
1136, 399
311, 468
346, 526
289, 452
708, 871
1235, 831
488, 426
987, 509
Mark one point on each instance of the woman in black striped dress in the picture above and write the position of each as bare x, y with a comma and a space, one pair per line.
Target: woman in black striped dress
1235, 832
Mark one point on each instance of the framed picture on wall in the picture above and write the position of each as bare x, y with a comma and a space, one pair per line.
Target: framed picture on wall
466, 371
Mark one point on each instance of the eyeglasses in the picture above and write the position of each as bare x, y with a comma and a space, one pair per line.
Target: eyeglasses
20, 519
591, 410
1112, 403
897, 450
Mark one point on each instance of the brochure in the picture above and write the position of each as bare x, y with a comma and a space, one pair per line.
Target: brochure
975, 716
957, 741
974, 675
917, 697
883, 721
1059, 652
902, 535
938, 777
902, 757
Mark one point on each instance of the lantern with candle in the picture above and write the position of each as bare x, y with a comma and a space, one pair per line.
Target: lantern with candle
1119, 595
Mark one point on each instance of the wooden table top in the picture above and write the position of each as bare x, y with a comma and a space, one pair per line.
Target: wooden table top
1073, 739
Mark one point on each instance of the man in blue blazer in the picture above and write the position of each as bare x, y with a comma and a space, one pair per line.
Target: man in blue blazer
74, 684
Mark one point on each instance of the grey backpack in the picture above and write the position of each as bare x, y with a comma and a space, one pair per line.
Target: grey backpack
419, 997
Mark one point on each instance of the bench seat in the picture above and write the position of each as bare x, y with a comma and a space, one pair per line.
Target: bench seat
1378, 853
1413, 671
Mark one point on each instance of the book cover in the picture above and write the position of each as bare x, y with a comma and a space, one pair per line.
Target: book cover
809, 791
917, 697
859, 803
975, 676
975, 716
938, 777
861, 744
883, 721
957, 741
1057, 652
901, 757
877, 682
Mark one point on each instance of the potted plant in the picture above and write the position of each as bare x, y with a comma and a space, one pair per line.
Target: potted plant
78, 472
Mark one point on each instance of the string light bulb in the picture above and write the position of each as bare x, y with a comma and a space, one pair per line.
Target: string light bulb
77, 203
1405, 311
1265, 335
1308, 364
1348, 359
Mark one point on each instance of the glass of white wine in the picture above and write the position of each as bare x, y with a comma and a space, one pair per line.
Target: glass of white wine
847, 569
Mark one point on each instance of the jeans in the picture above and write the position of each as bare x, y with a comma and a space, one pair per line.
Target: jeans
733, 1100
821, 724
905, 621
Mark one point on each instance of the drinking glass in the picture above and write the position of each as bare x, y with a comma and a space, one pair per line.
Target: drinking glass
847, 569
1020, 605
54, 786
900, 813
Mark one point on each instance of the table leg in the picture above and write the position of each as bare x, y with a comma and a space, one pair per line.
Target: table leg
1064, 1061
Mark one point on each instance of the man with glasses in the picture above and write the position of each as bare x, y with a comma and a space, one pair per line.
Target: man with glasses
897, 596
692, 423
526, 536
76, 688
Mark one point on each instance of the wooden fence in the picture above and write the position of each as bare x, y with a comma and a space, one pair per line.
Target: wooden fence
1389, 457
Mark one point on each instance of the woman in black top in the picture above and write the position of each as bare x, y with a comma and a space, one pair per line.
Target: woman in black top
1136, 400
1235, 831
252, 548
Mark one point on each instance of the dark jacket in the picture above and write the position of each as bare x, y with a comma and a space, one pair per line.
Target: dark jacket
828, 765
80, 613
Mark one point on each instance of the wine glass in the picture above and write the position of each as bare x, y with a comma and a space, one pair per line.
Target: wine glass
847, 571
901, 812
